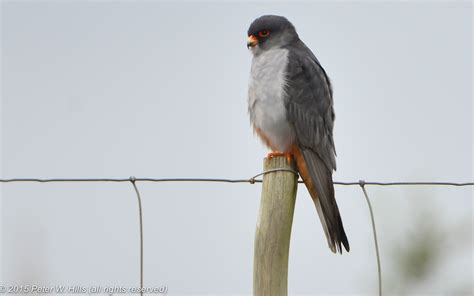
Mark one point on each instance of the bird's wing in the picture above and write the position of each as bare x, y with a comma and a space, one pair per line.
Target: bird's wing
310, 110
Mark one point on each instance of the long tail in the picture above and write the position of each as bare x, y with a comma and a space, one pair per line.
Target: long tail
318, 179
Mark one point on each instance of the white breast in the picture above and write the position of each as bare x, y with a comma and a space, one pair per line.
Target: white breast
266, 98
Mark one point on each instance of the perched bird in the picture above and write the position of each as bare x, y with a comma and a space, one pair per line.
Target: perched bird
291, 109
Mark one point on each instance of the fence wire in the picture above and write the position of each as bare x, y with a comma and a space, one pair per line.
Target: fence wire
220, 180
251, 180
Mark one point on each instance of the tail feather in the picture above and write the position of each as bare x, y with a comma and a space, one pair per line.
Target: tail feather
318, 179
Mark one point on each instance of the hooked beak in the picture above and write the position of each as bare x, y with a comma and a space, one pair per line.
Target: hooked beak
252, 41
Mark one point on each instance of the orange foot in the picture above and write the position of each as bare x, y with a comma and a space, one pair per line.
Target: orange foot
276, 154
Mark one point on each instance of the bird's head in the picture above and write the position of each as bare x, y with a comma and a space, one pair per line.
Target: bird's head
270, 31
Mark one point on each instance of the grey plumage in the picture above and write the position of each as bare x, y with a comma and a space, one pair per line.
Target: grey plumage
306, 95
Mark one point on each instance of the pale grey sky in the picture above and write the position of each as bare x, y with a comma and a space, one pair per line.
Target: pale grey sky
149, 89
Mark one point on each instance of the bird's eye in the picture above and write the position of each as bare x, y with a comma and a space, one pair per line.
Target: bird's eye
263, 33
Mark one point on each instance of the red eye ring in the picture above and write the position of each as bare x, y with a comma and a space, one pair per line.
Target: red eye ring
263, 33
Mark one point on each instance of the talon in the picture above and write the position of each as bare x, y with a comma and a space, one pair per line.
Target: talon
288, 156
275, 154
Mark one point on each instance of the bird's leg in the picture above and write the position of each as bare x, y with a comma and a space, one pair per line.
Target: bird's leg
288, 155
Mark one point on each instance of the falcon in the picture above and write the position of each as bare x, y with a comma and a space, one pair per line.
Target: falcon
290, 103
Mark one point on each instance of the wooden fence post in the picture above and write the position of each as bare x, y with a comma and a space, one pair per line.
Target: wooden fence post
272, 236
